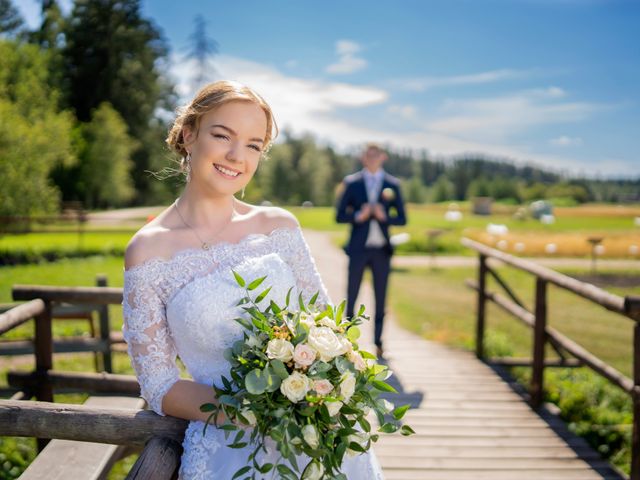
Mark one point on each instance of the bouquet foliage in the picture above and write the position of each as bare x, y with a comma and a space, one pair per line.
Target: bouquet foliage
299, 380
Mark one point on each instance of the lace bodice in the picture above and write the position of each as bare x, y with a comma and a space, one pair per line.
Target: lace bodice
185, 306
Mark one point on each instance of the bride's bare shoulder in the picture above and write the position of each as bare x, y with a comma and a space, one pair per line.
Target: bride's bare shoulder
154, 240
271, 218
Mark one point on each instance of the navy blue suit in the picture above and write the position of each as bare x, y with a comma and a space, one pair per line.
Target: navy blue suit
353, 198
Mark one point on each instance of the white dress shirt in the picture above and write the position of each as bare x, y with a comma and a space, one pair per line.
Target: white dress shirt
373, 184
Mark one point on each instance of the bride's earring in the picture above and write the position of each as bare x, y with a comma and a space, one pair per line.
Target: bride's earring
187, 166
242, 193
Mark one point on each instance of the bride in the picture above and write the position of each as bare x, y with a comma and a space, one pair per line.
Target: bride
179, 292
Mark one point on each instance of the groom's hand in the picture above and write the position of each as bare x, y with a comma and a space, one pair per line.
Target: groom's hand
379, 213
364, 214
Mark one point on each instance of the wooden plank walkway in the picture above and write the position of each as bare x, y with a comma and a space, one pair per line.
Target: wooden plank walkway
471, 423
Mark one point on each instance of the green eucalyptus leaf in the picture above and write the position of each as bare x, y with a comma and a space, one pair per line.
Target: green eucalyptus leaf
260, 297
388, 428
383, 386
279, 368
255, 382
207, 407
399, 412
407, 430
256, 283
239, 278
241, 472
353, 334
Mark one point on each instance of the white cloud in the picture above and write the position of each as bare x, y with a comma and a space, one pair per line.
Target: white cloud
501, 117
565, 141
316, 106
348, 61
404, 111
421, 84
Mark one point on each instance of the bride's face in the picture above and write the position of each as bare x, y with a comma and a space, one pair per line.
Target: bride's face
226, 150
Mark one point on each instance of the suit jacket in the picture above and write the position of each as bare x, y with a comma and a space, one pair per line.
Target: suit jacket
354, 196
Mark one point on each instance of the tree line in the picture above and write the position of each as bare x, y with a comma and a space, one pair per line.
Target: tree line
86, 100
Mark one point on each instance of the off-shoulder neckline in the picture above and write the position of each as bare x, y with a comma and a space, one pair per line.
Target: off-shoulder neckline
212, 248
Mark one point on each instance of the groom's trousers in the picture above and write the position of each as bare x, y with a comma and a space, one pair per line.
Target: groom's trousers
379, 261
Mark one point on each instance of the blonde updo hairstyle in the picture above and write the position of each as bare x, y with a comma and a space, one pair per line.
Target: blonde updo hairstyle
209, 98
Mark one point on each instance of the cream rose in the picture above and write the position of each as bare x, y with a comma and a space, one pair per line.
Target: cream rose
361, 439
313, 471
324, 341
347, 385
249, 416
303, 355
310, 436
357, 361
333, 407
295, 386
280, 349
322, 387
328, 322
307, 320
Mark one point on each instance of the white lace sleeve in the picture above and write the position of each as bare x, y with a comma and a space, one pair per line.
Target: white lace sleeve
151, 348
308, 280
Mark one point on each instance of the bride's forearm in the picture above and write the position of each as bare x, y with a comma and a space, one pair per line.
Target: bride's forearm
184, 398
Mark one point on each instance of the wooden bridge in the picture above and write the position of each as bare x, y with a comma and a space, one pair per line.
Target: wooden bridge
471, 421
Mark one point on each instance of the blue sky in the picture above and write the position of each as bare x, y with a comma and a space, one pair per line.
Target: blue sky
550, 82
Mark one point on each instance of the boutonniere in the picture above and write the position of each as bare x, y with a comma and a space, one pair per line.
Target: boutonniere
388, 194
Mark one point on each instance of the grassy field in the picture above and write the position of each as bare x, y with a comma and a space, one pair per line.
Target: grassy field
569, 233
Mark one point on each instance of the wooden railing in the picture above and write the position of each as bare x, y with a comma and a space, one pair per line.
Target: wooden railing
161, 437
543, 333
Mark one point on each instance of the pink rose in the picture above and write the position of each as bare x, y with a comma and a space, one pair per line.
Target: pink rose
322, 387
304, 355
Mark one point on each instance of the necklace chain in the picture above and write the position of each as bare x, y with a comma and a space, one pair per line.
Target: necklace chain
205, 245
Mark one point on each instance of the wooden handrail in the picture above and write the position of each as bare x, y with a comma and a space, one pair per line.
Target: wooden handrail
20, 314
79, 422
590, 292
91, 295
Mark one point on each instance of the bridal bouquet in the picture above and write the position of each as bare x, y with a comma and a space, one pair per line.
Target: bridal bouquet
299, 379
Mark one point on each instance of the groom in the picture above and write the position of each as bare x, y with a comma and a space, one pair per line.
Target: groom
370, 202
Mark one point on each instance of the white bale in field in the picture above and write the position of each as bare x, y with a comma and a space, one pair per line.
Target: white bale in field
599, 249
399, 239
497, 229
633, 249
550, 248
636, 221
503, 244
519, 247
547, 219
453, 216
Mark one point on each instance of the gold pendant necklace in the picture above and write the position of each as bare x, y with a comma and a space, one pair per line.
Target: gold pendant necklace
205, 245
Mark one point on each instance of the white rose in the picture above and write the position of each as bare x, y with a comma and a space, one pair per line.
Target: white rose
310, 436
359, 438
280, 349
322, 387
387, 405
347, 345
295, 386
324, 341
328, 322
307, 320
357, 360
304, 355
249, 416
333, 407
347, 385
313, 471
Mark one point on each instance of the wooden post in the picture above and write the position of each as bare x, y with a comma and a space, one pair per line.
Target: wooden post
539, 337
481, 307
44, 360
158, 461
635, 397
103, 314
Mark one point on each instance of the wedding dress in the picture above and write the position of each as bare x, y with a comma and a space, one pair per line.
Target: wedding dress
185, 306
